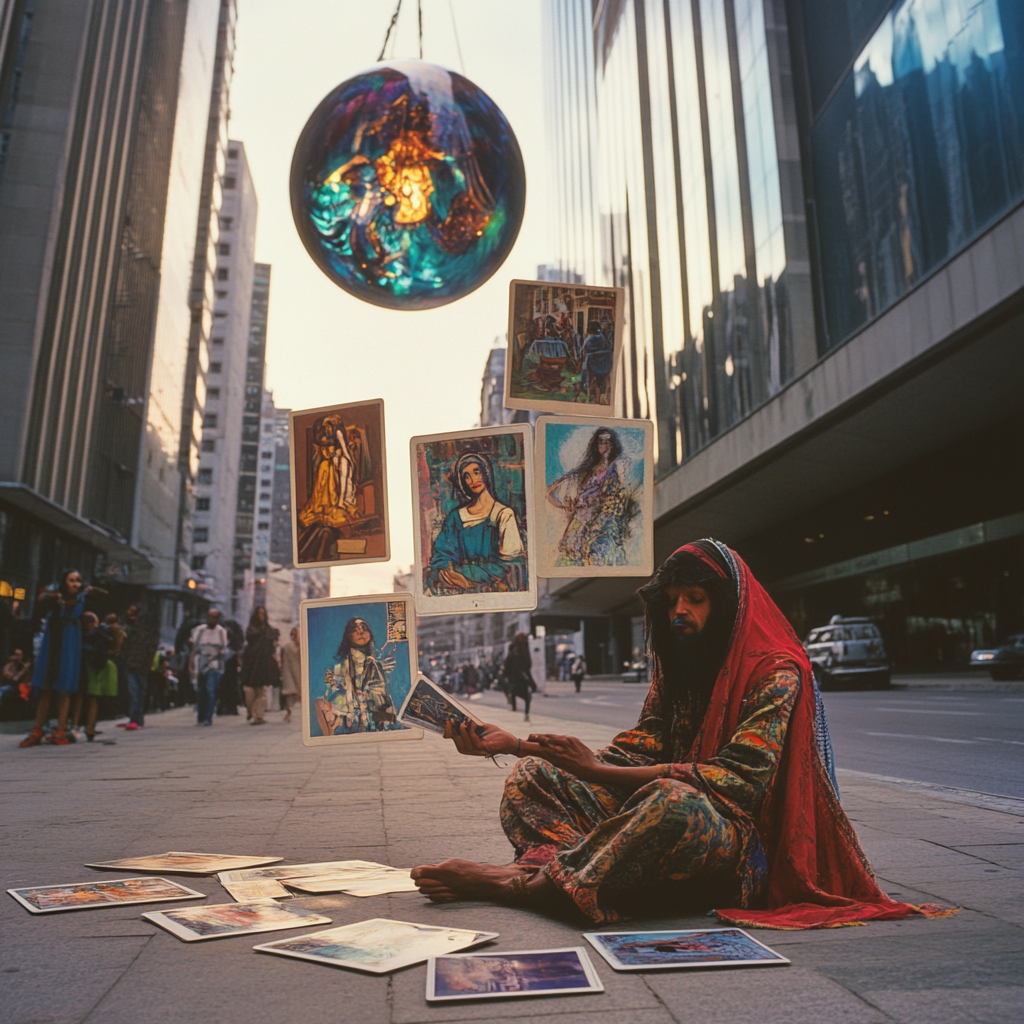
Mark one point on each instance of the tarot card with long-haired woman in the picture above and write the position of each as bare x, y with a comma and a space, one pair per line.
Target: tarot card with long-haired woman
358, 664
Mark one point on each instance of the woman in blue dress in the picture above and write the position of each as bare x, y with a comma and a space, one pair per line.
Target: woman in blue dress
58, 667
479, 548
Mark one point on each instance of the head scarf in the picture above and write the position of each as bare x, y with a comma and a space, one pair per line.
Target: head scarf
818, 875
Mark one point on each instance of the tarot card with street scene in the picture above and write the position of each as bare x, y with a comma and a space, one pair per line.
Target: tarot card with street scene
181, 863
377, 946
473, 521
706, 947
535, 972
339, 501
595, 497
429, 707
224, 920
564, 342
118, 892
358, 663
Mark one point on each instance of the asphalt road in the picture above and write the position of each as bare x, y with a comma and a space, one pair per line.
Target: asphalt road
955, 738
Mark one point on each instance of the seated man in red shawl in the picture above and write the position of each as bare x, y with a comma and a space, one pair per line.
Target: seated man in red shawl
719, 796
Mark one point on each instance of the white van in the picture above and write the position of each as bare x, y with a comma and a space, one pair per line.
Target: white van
848, 650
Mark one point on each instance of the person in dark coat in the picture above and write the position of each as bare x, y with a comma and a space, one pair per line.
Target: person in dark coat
260, 667
518, 674
141, 640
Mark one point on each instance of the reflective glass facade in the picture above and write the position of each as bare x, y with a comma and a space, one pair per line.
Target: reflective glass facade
699, 207
918, 150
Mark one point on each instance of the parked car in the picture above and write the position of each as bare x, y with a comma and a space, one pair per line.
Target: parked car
848, 651
1003, 662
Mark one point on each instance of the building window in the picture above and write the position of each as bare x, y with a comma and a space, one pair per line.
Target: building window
218, 341
206, 476
263, 526
222, 273
233, 153
199, 561
229, 181
222, 295
209, 445
210, 419
213, 393
226, 222
202, 504
201, 534
215, 367
912, 156
224, 248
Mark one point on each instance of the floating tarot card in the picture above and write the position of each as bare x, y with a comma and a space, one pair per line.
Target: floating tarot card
178, 863
223, 920
708, 947
47, 899
378, 945
534, 972
429, 707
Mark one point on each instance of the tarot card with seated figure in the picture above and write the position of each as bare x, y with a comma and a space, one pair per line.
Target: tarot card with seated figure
223, 920
429, 707
358, 664
339, 485
472, 494
564, 343
595, 497
706, 947
378, 945
180, 863
117, 892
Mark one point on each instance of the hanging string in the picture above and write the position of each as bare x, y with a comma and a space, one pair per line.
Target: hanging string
394, 18
419, 7
458, 46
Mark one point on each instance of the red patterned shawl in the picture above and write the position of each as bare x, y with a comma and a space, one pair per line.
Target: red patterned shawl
818, 875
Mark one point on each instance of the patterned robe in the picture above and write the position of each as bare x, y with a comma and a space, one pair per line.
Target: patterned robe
687, 838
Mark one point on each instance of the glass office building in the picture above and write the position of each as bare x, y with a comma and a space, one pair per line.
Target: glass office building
676, 135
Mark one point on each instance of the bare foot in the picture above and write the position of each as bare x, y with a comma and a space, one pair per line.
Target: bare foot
466, 880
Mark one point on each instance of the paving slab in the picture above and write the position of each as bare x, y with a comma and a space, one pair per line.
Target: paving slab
235, 789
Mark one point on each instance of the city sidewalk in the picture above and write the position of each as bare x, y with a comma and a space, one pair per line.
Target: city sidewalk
239, 790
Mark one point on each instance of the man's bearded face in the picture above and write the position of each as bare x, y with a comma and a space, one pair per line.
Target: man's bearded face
688, 609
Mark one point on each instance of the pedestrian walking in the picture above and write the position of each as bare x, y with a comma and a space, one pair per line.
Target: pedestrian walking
291, 674
206, 664
260, 668
519, 675
98, 670
140, 643
229, 696
577, 671
58, 664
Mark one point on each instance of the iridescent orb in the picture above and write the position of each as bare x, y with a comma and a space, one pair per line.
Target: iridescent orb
408, 186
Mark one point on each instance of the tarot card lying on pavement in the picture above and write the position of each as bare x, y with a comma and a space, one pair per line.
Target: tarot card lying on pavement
47, 899
708, 947
326, 867
357, 882
257, 891
377, 945
535, 972
223, 920
429, 707
179, 863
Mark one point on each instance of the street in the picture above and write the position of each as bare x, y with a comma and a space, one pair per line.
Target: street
956, 738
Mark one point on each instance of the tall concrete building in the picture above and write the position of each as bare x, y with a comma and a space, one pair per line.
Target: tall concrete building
250, 460
104, 109
216, 482
816, 212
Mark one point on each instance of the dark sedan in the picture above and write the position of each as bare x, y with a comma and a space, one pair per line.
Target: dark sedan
1003, 662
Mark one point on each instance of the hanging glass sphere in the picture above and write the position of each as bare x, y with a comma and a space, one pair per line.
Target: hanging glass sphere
407, 186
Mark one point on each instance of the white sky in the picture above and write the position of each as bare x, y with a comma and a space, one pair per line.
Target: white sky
323, 346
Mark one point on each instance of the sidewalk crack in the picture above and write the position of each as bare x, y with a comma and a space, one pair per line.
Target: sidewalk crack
117, 981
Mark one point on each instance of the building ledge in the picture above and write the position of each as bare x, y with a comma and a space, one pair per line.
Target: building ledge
112, 547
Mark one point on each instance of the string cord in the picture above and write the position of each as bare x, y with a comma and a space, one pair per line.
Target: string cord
458, 45
419, 10
387, 36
